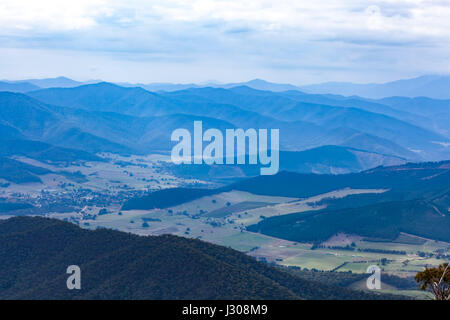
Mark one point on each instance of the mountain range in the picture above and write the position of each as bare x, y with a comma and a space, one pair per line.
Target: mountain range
433, 86
105, 117
302, 125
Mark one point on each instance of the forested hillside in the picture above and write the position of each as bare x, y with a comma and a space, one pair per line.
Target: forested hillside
35, 253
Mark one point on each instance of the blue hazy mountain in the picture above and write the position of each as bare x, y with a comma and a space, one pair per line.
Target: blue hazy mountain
21, 86
422, 111
44, 152
417, 113
26, 118
95, 131
258, 84
92, 131
433, 86
374, 106
138, 102
321, 160
58, 82
104, 97
160, 86
422, 106
334, 160
7, 132
434, 114
354, 123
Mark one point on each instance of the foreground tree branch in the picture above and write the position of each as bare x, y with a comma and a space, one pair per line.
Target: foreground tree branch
436, 280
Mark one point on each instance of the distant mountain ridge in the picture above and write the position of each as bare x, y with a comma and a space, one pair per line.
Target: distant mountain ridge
17, 87
107, 117
321, 160
92, 131
345, 117
258, 84
431, 86
58, 82
312, 124
437, 87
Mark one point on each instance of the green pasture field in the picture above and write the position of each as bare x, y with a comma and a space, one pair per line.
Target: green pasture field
239, 207
385, 288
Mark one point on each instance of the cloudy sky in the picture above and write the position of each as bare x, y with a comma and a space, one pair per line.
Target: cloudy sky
296, 41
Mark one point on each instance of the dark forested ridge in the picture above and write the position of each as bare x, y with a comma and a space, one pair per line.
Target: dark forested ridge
20, 172
409, 181
44, 152
416, 202
411, 177
35, 253
381, 221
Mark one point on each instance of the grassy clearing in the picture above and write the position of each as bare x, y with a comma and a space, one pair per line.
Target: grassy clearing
410, 239
244, 241
315, 260
426, 246
239, 207
385, 288
362, 285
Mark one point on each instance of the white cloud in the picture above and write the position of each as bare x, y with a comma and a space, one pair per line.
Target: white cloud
424, 17
346, 38
50, 14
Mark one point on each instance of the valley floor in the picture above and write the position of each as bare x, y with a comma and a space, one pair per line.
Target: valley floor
221, 218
